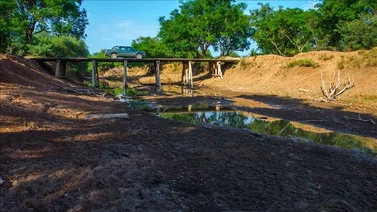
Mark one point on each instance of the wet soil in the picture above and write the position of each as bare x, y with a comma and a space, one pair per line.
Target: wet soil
333, 116
51, 159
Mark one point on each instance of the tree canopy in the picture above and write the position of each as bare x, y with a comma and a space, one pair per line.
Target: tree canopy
198, 25
283, 31
341, 25
153, 47
335, 13
21, 20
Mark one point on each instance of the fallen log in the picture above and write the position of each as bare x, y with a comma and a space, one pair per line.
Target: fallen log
106, 116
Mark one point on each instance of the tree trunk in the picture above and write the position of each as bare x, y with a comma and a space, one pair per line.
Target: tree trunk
29, 33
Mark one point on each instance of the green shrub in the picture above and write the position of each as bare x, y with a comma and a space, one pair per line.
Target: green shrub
325, 57
371, 58
243, 64
303, 63
341, 64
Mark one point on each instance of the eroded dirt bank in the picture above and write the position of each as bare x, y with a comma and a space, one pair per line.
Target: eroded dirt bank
52, 161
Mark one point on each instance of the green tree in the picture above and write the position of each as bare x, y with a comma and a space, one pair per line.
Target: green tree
103, 65
58, 46
283, 32
62, 17
200, 24
335, 13
232, 28
153, 47
359, 34
45, 45
261, 20
6, 20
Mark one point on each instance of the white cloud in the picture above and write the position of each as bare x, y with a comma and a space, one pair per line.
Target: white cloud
126, 29
310, 5
125, 24
133, 32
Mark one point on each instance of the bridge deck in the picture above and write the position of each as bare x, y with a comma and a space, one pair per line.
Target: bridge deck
76, 59
187, 77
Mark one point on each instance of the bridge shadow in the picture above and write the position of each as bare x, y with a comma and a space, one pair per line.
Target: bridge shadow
329, 116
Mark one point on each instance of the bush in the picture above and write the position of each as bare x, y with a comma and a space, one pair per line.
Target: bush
303, 63
359, 34
45, 45
325, 57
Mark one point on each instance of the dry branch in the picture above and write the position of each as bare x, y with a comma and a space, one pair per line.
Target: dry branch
106, 116
360, 119
335, 89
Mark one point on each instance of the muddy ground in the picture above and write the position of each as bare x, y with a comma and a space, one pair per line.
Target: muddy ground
52, 159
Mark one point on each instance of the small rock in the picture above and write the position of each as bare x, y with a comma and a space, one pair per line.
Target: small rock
1, 181
301, 205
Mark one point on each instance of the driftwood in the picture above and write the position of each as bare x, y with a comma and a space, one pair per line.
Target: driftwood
82, 91
106, 116
360, 119
75, 91
303, 90
334, 88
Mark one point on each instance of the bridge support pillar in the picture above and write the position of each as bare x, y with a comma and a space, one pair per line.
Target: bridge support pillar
95, 77
158, 79
63, 68
219, 72
185, 81
190, 79
187, 78
210, 68
183, 78
125, 83
58, 68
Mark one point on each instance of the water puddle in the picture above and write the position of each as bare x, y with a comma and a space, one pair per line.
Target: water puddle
216, 113
283, 128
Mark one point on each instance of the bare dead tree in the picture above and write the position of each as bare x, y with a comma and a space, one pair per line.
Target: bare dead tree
335, 87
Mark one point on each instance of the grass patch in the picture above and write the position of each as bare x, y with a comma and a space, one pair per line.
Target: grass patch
243, 64
248, 64
303, 63
365, 58
325, 57
121, 91
175, 67
201, 105
363, 100
371, 58
341, 64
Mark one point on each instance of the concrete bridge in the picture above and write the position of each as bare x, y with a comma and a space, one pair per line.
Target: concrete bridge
215, 66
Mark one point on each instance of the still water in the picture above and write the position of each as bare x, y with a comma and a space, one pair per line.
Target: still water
283, 128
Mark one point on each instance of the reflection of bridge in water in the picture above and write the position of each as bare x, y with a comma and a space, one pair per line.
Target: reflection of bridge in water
216, 67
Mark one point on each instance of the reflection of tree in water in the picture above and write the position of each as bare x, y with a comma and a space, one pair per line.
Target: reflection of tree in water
224, 119
278, 128
185, 117
228, 119
285, 128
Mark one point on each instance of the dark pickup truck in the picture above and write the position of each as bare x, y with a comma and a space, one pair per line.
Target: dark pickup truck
124, 51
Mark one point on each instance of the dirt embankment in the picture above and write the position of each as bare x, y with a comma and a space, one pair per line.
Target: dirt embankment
271, 75
52, 160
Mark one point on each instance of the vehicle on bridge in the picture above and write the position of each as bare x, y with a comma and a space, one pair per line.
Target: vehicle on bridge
124, 51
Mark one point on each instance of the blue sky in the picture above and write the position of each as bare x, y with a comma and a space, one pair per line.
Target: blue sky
118, 22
